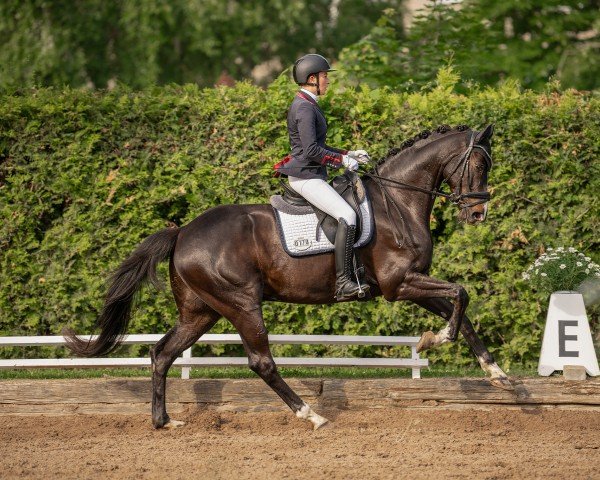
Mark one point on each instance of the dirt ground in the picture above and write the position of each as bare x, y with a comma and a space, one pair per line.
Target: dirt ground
494, 443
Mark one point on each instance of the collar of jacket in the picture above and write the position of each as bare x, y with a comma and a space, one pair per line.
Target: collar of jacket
307, 96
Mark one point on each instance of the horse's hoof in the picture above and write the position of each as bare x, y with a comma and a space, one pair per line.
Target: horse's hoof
321, 423
502, 382
173, 424
426, 341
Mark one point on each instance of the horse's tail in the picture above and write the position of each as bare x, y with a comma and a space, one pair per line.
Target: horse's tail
124, 284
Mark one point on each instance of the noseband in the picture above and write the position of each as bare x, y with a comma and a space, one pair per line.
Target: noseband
456, 198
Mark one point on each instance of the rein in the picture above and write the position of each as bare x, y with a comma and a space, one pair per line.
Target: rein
455, 198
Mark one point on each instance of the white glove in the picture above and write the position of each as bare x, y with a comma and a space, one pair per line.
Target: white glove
350, 163
361, 156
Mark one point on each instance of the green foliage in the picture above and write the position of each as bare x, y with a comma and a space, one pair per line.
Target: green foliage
85, 176
244, 372
147, 42
486, 41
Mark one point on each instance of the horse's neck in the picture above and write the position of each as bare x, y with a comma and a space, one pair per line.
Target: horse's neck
423, 170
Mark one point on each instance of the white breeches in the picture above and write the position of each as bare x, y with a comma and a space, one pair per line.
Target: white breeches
324, 197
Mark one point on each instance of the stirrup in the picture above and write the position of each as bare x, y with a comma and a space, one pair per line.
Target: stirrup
363, 288
355, 289
354, 292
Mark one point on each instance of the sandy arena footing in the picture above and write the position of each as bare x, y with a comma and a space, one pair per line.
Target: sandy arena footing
429, 428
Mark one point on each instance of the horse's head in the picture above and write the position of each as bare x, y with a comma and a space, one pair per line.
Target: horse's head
467, 172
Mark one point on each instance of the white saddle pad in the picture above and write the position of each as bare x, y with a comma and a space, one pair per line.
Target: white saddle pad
298, 228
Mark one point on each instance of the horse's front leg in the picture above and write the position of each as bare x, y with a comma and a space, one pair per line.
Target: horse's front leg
417, 286
443, 308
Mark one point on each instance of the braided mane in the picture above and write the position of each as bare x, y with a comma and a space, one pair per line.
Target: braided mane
425, 134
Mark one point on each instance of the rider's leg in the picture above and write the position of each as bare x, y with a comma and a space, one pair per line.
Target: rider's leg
345, 286
324, 197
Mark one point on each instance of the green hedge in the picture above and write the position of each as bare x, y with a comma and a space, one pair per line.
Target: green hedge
85, 176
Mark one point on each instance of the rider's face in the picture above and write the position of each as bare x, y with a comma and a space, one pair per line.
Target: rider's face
323, 82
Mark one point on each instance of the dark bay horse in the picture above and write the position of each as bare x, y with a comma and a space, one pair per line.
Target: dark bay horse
229, 259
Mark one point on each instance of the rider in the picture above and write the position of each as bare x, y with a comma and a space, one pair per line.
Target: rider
306, 164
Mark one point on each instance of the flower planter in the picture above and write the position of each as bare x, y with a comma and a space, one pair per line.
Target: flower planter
567, 336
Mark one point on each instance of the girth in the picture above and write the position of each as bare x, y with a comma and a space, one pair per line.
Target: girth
349, 187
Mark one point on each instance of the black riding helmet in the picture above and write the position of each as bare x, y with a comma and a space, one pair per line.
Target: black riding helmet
308, 65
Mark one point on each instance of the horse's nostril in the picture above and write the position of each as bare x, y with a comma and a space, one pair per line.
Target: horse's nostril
477, 216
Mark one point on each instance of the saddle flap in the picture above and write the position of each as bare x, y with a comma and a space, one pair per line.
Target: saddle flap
302, 235
348, 185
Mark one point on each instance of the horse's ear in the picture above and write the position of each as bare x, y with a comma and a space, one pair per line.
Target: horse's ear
486, 134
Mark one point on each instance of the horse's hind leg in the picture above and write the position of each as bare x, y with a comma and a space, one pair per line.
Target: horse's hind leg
443, 308
251, 328
195, 319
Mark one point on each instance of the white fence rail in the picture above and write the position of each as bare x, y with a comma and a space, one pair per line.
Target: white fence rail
187, 361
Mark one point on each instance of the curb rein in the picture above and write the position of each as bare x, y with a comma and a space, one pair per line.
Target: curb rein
455, 198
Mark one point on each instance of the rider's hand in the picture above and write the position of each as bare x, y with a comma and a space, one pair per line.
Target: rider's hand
350, 163
361, 156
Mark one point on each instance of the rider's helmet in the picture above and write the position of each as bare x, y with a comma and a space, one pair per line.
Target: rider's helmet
308, 65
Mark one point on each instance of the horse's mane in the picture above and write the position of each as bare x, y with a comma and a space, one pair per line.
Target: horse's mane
422, 139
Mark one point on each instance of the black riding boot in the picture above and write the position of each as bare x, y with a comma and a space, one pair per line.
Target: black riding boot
345, 286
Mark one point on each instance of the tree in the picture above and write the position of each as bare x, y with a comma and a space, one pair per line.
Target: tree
96, 43
486, 41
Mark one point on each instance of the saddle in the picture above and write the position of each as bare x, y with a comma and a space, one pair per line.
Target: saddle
349, 186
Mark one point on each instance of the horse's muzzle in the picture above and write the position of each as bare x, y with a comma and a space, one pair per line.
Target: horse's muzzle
475, 217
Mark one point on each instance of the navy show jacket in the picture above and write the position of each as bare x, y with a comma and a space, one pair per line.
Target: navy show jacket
310, 155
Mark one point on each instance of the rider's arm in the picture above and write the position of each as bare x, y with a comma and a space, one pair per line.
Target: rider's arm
337, 150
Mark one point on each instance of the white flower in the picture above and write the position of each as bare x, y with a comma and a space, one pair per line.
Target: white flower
579, 264
587, 259
526, 276
550, 249
587, 270
544, 274
560, 249
572, 250
562, 266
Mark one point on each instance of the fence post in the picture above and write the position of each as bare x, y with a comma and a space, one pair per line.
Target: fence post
416, 372
185, 371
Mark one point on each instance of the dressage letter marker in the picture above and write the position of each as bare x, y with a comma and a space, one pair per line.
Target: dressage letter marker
567, 336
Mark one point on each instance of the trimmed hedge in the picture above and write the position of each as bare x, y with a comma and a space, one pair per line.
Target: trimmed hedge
85, 176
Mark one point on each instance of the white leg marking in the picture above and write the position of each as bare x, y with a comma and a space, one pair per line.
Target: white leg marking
442, 336
306, 413
492, 369
174, 424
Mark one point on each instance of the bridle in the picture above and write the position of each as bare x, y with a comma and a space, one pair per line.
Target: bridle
457, 198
